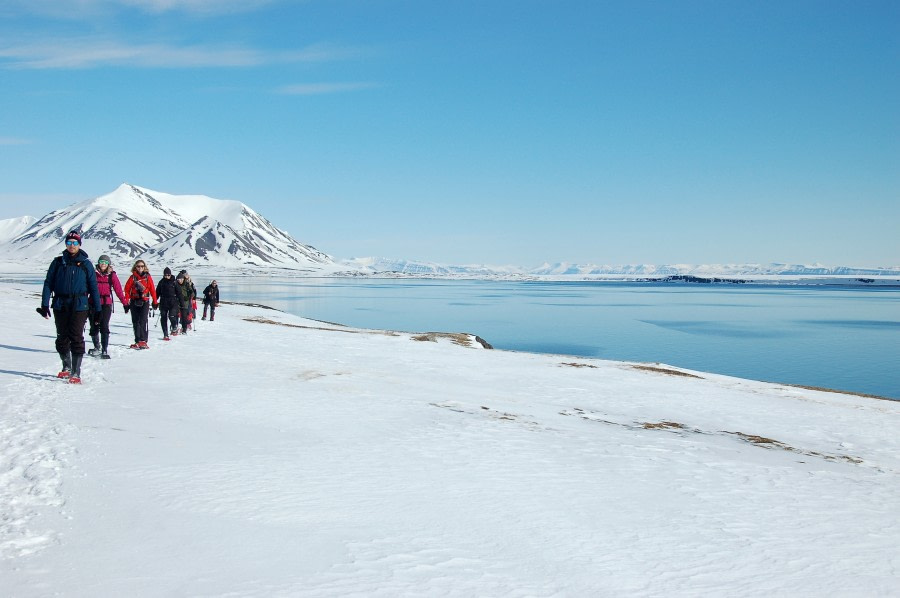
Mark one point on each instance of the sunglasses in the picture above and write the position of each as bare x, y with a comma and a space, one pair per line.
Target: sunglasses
70, 243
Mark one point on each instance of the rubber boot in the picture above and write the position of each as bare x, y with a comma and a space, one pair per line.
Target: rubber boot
66, 365
75, 378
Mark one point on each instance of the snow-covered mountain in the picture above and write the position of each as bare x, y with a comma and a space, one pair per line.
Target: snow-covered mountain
374, 265
13, 227
181, 230
709, 270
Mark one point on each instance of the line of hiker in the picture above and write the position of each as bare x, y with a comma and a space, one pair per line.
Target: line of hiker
78, 292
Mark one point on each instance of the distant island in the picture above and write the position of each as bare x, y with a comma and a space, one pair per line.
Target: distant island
694, 279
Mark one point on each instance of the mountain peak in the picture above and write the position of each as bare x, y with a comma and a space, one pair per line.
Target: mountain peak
133, 221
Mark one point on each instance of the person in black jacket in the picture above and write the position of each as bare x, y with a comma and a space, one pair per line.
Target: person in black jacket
211, 300
185, 291
72, 284
170, 303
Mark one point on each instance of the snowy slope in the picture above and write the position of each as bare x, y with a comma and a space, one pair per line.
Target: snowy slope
13, 227
313, 460
177, 230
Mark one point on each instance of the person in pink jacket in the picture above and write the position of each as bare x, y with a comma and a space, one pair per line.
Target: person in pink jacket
107, 283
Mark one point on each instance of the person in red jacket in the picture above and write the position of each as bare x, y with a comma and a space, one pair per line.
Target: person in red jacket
107, 283
140, 291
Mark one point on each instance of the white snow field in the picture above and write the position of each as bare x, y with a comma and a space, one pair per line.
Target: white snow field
268, 455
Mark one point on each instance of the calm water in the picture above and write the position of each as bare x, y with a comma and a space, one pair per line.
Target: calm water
843, 338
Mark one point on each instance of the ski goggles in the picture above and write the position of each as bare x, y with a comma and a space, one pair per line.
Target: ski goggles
103, 262
72, 242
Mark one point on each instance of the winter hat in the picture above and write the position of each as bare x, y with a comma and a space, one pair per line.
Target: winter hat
168, 271
104, 258
181, 274
74, 236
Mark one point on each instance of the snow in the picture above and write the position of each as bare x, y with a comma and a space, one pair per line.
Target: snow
269, 455
12, 227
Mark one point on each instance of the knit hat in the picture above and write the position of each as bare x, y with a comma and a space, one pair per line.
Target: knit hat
180, 274
74, 236
168, 270
104, 258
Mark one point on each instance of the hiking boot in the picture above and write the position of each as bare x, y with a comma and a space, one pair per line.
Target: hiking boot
75, 378
66, 365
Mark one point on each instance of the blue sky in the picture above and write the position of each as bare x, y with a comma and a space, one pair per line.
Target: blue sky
498, 132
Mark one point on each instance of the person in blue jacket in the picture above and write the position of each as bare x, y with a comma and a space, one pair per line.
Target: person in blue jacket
71, 284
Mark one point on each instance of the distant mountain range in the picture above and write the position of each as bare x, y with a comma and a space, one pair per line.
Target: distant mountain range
199, 232
566, 270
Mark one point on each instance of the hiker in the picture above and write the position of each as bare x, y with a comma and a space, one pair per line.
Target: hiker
140, 291
192, 304
107, 283
73, 286
170, 303
211, 300
184, 289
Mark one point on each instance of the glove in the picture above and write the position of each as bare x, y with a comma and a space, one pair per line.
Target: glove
44, 311
155, 306
126, 308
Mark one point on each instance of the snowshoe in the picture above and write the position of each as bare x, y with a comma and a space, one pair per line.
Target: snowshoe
74, 380
64, 374
143, 345
104, 355
94, 352
134, 346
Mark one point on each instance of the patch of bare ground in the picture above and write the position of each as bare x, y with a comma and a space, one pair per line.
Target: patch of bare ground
260, 305
667, 371
573, 364
769, 443
491, 414
682, 429
663, 426
842, 392
458, 338
261, 320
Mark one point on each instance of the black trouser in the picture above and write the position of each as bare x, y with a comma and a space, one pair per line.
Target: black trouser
140, 320
168, 315
103, 328
212, 310
69, 331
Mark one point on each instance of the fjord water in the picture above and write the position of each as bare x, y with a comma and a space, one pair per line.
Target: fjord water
845, 338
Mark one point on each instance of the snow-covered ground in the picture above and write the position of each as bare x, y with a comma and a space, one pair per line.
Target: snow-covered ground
268, 455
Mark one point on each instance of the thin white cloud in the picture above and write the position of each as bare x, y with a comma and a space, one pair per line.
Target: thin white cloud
310, 89
14, 141
86, 9
85, 53
196, 6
